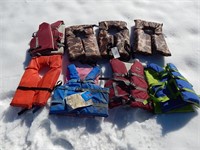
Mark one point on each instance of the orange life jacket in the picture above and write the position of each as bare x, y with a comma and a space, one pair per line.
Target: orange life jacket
33, 89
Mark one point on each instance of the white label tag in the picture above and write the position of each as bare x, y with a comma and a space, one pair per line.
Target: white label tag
75, 101
115, 52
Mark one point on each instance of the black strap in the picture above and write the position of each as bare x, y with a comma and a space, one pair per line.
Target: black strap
104, 78
34, 110
22, 111
94, 25
40, 88
34, 88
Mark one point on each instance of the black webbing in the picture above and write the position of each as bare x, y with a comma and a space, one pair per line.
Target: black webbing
104, 78
22, 111
34, 88
34, 110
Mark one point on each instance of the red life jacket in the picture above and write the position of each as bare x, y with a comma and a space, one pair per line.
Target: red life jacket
48, 39
128, 87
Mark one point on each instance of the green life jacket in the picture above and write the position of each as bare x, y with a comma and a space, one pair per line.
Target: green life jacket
169, 90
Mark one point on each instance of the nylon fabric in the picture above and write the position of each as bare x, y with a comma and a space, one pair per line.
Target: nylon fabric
26, 98
128, 87
114, 35
48, 40
169, 90
99, 96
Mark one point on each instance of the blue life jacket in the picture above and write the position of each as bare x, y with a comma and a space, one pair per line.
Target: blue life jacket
94, 97
169, 90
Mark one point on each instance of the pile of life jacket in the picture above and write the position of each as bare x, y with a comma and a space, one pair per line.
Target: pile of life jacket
152, 88
46, 49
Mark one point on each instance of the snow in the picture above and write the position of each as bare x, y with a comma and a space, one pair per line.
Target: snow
125, 128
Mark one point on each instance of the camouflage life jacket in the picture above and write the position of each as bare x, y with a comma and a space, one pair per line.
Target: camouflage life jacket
48, 40
81, 43
115, 44
149, 38
80, 97
128, 87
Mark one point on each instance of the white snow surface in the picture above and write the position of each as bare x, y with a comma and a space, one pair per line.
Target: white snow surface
125, 128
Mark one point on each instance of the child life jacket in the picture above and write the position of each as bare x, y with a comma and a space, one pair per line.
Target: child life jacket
149, 38
169, 90
82, 44
48, 40
114, 44
80, 98
128, 87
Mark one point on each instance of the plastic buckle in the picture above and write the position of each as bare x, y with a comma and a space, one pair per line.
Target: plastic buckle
78, 89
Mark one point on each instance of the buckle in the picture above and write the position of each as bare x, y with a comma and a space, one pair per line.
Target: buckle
127, 75
78, 89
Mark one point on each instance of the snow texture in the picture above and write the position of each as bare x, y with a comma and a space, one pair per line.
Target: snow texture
125, 128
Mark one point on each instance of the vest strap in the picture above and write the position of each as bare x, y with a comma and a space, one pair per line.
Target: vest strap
134, 99
127, 83
81, 81
179, 77
80, 89
139, 100
139, 88
163, 74
34, 88
188, 90
128, 74
159, 99
116, 91
100, 105
57, 102
22, 111
136, 74
121, 74
34, 110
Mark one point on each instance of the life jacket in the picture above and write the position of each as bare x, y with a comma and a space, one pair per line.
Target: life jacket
34, 90
80, 98
82, 44
114, 44
128, 87
149, 39
169, 90
48, 40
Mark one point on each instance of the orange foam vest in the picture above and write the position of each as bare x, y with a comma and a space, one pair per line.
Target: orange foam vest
33, 89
